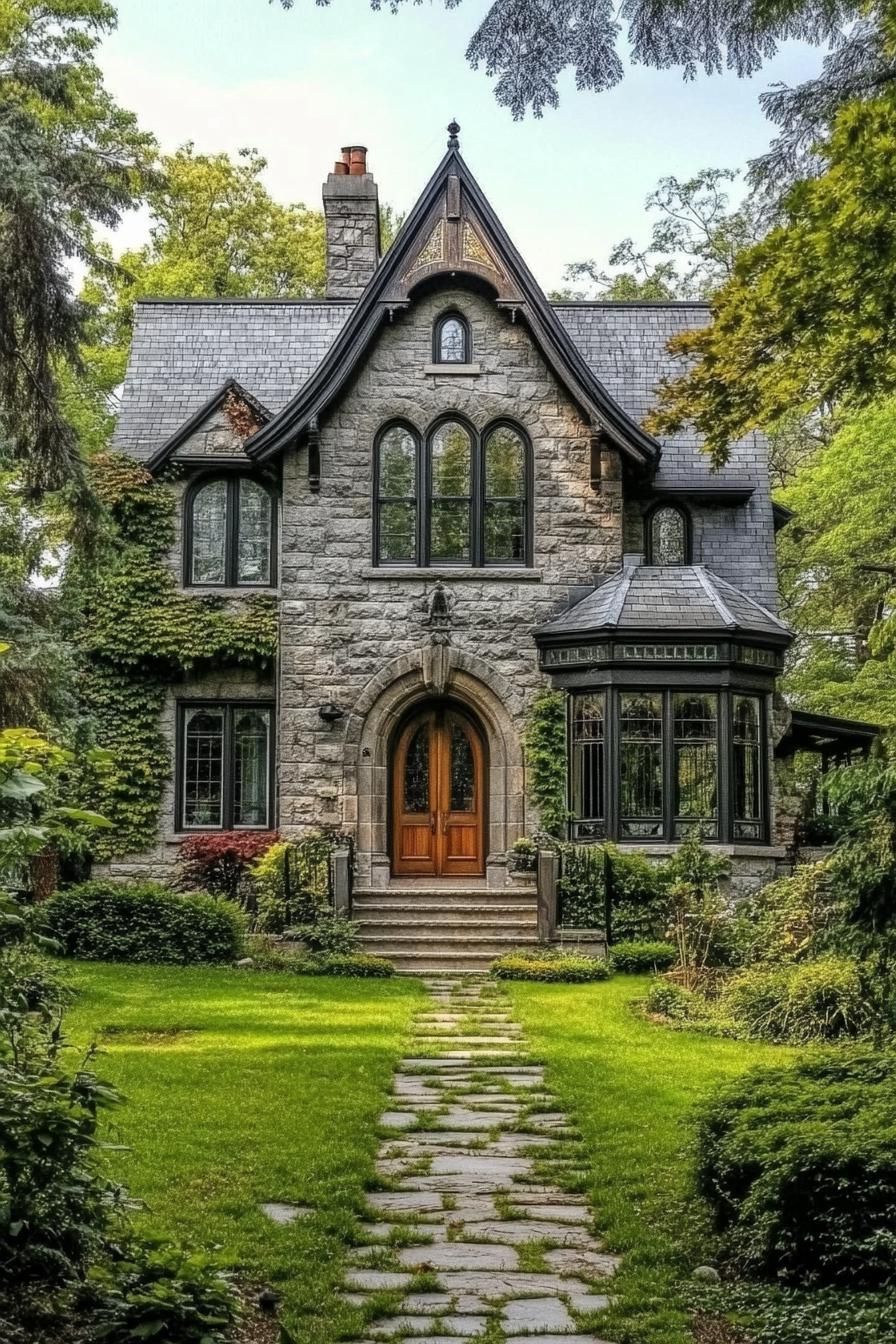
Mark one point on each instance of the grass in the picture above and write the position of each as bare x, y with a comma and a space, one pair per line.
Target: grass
630, 1086
243, 1088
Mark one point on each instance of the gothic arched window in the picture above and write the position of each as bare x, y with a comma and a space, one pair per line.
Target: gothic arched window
668, 539
230, 527
451, 340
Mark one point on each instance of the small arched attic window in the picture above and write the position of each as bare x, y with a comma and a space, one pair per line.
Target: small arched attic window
668, 536
451, 340
230, 533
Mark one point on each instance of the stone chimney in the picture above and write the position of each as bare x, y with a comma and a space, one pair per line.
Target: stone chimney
352, 213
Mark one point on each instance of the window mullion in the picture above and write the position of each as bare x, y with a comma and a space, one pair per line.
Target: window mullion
477, 505
227, 771
669, 772
232, 532
424, 450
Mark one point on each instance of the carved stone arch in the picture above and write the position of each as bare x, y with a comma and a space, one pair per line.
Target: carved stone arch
370, 729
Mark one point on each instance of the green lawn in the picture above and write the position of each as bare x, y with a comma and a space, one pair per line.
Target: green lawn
630, 1085
242, 1088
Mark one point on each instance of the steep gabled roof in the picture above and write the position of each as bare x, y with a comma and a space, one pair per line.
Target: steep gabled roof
189, 426
451, 208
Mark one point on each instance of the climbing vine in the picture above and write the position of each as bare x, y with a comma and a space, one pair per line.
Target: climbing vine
545, 742
140, 634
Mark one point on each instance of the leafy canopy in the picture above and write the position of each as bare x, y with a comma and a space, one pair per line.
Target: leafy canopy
526, 45
215, 232
837, 562
807, 320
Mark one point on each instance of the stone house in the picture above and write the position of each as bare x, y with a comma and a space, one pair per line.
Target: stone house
451, 494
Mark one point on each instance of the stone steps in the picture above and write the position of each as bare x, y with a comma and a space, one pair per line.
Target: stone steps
453, 928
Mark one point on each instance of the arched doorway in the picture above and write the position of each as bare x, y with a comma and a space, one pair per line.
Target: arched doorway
438, 795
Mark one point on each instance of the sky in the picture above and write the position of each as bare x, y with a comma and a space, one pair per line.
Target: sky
299, 84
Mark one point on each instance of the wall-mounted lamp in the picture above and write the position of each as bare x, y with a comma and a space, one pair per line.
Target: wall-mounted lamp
331, 713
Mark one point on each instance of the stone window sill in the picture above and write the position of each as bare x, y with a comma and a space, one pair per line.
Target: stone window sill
211, 590
454, 573
470, 370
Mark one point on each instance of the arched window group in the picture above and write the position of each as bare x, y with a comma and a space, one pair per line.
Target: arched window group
453, 497
230, 533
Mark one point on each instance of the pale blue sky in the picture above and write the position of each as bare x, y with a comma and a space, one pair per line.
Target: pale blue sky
299, 84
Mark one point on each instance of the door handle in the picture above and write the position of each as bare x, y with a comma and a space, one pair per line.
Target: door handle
444, 823
432, 822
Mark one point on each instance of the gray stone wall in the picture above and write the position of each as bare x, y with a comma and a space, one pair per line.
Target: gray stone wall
343, 620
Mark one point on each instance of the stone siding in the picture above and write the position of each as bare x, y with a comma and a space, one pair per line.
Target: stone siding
342, 619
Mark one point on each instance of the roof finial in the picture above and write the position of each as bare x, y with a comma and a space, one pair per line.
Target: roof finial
453, 142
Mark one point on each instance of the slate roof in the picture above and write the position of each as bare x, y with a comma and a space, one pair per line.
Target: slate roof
642, 598
183, 350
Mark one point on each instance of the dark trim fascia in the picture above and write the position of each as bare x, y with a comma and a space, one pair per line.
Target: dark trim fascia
662, 635
722, 495
170, 446
781, 515
338, 365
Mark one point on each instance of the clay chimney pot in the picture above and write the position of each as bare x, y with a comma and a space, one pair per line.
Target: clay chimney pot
356, 157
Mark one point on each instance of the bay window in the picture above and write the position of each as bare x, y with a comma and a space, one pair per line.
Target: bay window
651, 765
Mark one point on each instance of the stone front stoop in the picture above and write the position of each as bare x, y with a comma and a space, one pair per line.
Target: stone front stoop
475, 1230
444, 930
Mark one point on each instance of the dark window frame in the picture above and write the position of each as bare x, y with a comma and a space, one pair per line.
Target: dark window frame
228, 771
685, 516
451, 315
608, 826
423, 500
231, 579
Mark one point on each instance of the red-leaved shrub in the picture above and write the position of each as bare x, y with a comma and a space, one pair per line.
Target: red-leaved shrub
217, 861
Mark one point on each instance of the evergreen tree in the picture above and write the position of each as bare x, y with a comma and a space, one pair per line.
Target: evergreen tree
70, 158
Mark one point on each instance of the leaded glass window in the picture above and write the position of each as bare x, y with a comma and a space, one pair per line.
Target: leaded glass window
254, 533
210, 527
203, 768
451, 487
746, 746
451, 345
230, 532
667, 537
397, 496
641, 765
251, 733
588, 760
695, 730
416, 772
225, 766
505, 497
463, 771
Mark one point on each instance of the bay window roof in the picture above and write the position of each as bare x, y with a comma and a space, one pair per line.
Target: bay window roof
661, 599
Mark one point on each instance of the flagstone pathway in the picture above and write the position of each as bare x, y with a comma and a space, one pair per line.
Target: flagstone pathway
475, 1230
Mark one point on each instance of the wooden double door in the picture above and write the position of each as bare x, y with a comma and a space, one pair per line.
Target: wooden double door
438, 796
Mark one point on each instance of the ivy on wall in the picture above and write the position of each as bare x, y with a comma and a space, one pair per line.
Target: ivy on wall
545, 743
141, 634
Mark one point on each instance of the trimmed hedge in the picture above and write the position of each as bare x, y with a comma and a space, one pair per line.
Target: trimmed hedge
634, 958
144, 922
799, 1167
568, 967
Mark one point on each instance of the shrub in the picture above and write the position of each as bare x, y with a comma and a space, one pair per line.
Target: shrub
267, 956
666, 999
798, 1166
143, 921
219, 862
696, 905
638, 891
331, 933
163, 1293
533, 964
784, 920
292, 882
807, 1001
632, 958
